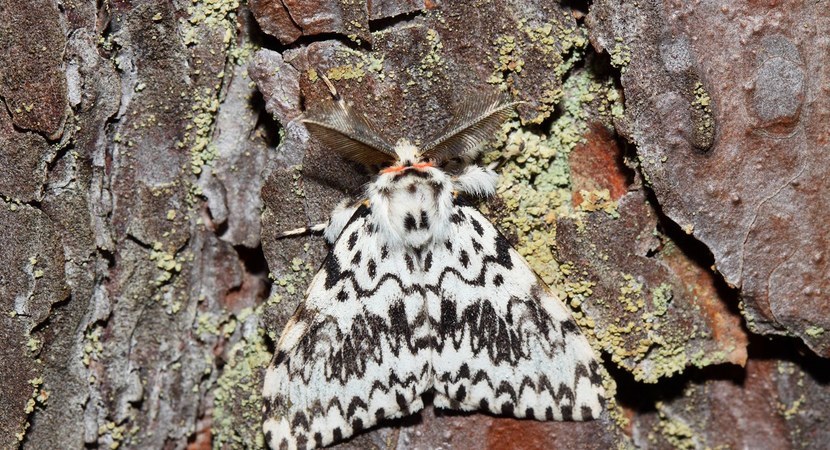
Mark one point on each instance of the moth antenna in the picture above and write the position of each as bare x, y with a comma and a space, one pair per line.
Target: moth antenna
477, 118
346, 131
332, 90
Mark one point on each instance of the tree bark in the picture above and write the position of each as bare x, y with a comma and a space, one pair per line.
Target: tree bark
665, 176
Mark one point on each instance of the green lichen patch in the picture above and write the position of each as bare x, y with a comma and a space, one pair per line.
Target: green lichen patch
620, 55
113, 434
703, 118
674, 431
535, 184
215, 16
210, 13
237, 413
354, 65
166, 261
523, 51
93, 347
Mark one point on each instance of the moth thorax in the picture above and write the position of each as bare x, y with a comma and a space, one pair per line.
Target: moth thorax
414, 204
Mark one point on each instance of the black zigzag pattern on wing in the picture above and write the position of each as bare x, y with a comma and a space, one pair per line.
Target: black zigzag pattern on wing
503, 342
502, 336
346, 355
300, 420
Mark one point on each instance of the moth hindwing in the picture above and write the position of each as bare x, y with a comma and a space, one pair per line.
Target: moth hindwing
421, 293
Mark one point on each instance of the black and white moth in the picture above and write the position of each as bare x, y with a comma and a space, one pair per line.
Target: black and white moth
421, 293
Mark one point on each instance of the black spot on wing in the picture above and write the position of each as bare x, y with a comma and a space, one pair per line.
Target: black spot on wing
461, 394
567, 412
569, 327
332, 268
586, 412
384, 252
498, 280
409, 223
371, 268
503, 252
477, 227
424, 220
593, 373
352, 240
342, 296
280, 358
403, 405
464, 259
357, 258
464, 371
428, 262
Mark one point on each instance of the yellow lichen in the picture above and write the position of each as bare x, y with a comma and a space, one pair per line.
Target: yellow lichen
166, 261
237, 399
620, 55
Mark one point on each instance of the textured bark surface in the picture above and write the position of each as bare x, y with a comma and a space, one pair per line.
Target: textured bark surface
665, 175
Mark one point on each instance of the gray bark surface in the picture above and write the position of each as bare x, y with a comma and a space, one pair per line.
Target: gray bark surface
665, 175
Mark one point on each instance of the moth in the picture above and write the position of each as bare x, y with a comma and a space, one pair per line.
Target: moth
420, 293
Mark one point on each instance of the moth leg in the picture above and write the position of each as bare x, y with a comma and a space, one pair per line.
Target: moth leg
331, 229
303, 230
476, 181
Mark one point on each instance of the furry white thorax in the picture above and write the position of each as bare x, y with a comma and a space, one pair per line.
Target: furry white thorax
412, 207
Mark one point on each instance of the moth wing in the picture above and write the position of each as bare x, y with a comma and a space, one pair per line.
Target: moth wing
356, 351
502, 341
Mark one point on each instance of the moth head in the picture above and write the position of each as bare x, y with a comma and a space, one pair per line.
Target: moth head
343, 129
407, 153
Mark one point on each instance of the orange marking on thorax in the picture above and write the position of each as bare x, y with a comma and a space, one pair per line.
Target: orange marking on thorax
393, 169
396, 169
